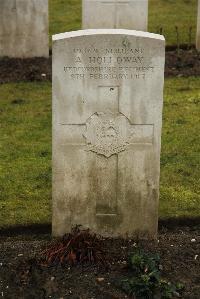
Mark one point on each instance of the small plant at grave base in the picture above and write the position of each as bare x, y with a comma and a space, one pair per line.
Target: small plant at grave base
145, 281
78, 247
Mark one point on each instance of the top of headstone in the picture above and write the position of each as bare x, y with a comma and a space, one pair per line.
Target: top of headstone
87, 32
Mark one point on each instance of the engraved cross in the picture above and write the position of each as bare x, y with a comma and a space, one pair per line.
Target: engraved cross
107, 133
117, 6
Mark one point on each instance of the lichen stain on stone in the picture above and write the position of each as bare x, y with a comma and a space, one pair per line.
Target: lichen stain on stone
105, 209
108, 222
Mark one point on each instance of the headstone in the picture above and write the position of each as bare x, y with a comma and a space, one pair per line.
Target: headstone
107, 117
24, 28
124, 14
198, 28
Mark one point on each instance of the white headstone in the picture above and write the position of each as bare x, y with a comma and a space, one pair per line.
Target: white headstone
24, 28
198, 28
124, 14
107, 117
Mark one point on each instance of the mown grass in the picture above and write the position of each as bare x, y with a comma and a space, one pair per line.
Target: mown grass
25, 172
65, 15
25, 151
180, 159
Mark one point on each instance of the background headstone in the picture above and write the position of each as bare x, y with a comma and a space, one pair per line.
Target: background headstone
124, 14
107, 116
198, 28
24, 28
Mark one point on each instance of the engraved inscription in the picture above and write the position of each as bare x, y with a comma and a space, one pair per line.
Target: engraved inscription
123, 63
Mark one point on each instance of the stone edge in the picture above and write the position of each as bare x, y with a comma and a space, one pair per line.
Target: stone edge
87, 32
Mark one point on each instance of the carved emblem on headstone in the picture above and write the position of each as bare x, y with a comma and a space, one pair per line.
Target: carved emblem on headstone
106, 134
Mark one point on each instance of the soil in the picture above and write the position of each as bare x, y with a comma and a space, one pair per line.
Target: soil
178, 63
22, 277
185, 63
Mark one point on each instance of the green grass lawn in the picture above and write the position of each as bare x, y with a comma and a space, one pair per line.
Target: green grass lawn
25, 173
25, 151
65, 15
180, 159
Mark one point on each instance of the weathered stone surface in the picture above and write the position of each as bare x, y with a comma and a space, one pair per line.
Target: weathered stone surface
198, 28
107, 116
24, 28
124, 14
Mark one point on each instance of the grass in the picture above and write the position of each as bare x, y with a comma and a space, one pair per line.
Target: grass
167, 14
180, 159
25, 173
25, 151
65, 15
